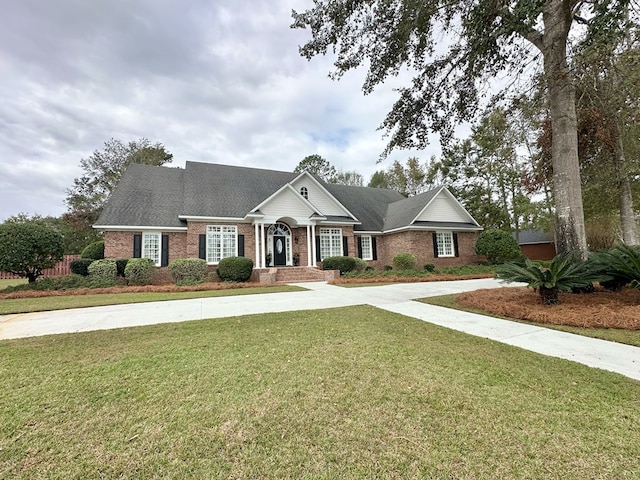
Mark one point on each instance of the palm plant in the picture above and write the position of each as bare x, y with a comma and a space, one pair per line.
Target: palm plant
564, 273
621, 263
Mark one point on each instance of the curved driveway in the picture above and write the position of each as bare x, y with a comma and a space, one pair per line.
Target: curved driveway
615, 357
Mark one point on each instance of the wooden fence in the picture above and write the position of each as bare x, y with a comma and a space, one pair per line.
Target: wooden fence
61, 269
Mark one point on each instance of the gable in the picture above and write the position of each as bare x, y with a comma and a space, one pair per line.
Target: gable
287, 202
443, 208
324, 203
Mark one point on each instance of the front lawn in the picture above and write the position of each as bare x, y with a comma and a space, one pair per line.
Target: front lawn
343, 393
66, 299
11, 282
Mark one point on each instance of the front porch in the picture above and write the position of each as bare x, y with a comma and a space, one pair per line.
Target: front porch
274, 275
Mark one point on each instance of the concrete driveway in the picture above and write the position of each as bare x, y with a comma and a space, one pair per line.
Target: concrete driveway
615, 357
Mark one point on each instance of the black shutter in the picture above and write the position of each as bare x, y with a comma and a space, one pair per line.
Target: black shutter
164, 257
345, 246
202, 246
318, 257
241, 245
455, 245
374, 248
359, 247
137, 245
435, 245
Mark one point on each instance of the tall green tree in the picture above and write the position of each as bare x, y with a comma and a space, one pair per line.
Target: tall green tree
608, 86
487, 174
316, 165
485, 38
101, 173
348, 177
409, 179
29, 247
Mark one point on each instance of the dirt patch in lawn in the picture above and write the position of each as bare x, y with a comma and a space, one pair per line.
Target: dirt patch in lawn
129, 289
601, 309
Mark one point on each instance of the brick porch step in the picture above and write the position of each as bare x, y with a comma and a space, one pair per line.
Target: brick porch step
299, 274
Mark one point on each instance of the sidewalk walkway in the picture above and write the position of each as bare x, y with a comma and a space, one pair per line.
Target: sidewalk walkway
615, 357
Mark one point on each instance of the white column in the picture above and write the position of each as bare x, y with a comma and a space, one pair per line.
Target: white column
262, 246
257, 242
309, 245
315, 247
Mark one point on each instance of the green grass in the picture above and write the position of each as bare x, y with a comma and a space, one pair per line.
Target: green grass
457, 270
343, 393
629, 337
10, 282
62, 302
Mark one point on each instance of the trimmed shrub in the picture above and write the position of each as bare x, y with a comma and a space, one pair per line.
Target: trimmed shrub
498, 246
387, 268
94, 251
344, 264
103, 270
361, 265
139, 271
404, 261
80, 266
235, 269
121, 264
429, 267
190, 270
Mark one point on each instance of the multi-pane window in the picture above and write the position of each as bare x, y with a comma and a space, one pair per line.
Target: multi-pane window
222, 242
304, 192
330, 242
151, 246
365, 244
445, 244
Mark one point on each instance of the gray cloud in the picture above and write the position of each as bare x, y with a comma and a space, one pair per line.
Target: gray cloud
214, 81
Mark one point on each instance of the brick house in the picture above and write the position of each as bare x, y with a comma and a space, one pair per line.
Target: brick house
277, 219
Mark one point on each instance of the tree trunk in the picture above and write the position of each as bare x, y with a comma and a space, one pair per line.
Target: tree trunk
549, 296
625, 199
570, 231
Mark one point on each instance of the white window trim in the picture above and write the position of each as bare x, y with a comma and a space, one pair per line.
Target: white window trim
304, 191
211, 260
370, 255
331, 233
144, 252
440, 247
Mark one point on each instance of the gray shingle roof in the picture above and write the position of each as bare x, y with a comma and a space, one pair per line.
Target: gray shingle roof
534, 236
369, 205
225, 191
146, 196
157, 196
401, 213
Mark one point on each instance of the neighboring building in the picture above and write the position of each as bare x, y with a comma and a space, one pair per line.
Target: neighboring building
277, 218
537, 244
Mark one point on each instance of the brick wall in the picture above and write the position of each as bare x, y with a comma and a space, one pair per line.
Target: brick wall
420, 244
120, 244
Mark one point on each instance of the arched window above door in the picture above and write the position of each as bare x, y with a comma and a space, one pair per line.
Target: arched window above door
279, 229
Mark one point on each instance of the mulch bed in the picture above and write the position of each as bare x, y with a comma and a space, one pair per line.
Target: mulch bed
601, 309
142, 289
396, 279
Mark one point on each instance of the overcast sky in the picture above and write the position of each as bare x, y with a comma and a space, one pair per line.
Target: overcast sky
217, 81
